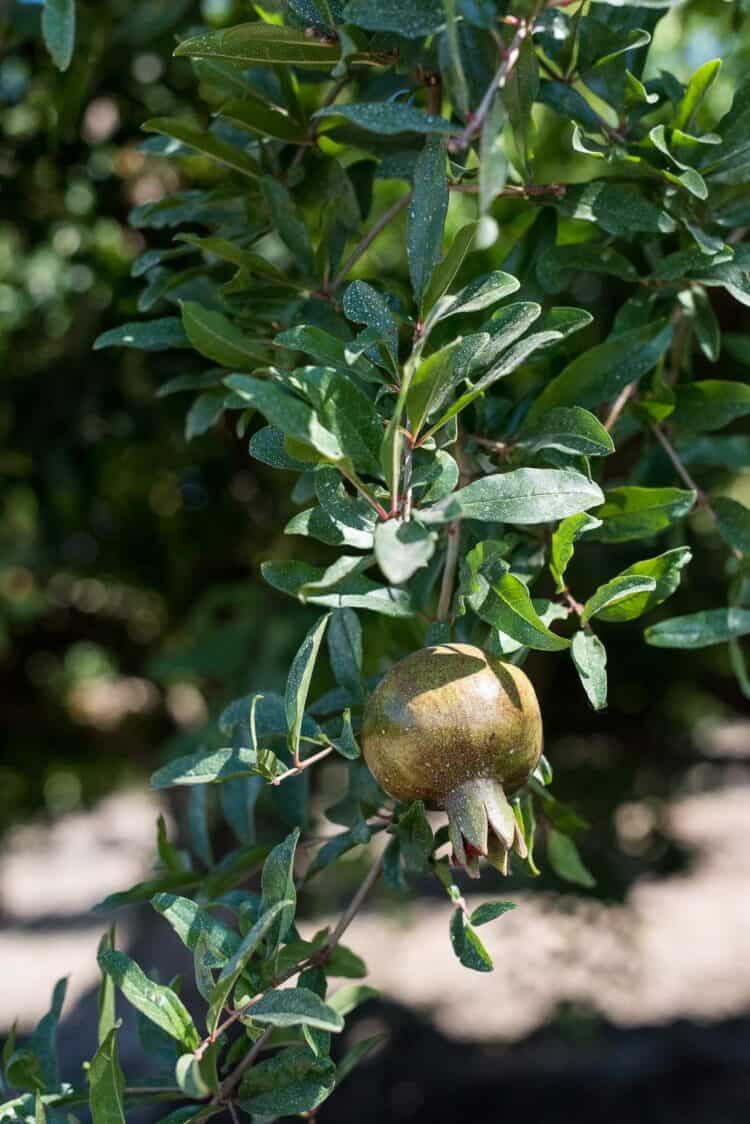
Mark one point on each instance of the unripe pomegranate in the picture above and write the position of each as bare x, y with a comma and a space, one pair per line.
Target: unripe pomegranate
457, 728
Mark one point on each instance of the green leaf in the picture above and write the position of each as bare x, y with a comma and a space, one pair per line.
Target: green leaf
519, 94
107, 1083
522, 496
144, 891
325, 349
158, 1003
189, 1077
633, 512
493, 162
602, 372
345, 650
106, 996
244, 259
221, 341
665, 570
43, 1041
204, 412
357, 1054
364, 305
700, 630
558, 266
402, 548
204, 767
489, 911
590, 659
298, 579
610, 594
620, 209
430, 384
704, 406
294, 1081
238, 962
467, 945
298, 681
410, 18
208, 144
565, 860
700, 83
446, 270
191, 923
289, 223
286, 412
507, 605
480, 293
267, 445
562, 548
296, 1006
508, 362
247, 44
145, 335
259, 117
733, 521
390, 118
59, 31
415, 837
427, 211
277, 884
347, 413
571, 430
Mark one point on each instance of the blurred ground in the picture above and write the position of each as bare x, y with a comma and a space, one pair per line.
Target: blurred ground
675, 949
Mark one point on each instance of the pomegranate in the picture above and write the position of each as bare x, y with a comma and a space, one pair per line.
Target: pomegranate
457, 728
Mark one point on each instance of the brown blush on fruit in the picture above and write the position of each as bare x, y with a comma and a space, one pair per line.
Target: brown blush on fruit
457, 728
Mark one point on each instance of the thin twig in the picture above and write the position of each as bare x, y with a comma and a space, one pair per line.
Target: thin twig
679, 467
366, 241
449, 571
619, 405
303, 764
354, 905
230, 1084
463, 139
145, 1090
702, 500
515, 191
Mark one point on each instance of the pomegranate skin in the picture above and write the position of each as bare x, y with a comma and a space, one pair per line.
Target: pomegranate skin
447, 715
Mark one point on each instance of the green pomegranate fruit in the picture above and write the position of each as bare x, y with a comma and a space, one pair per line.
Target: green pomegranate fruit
457, 728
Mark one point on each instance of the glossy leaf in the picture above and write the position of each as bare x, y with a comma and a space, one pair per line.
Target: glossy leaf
427, 211
700, 630
216, 337
107, 1083
602, 372
390, 118
59, 30
208, 144
562, 544
571, 430
704, 406
733, 521
402, 548
523, 496
160, 1004
665, 570
633, 512
590, 659
249, 44
618, 589
299, 679
565, 860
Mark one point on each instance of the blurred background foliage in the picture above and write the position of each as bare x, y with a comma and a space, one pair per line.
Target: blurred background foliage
131, 605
